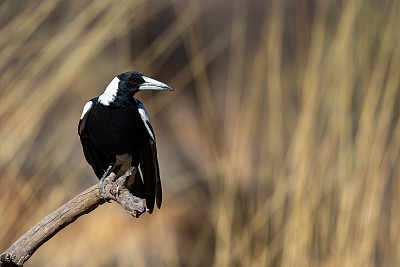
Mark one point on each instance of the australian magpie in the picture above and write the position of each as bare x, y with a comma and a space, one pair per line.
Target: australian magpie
116, 134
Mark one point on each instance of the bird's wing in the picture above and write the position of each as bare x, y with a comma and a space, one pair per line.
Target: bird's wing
149, 163
96, 158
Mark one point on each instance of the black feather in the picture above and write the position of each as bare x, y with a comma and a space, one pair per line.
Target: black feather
148, 172
96, 158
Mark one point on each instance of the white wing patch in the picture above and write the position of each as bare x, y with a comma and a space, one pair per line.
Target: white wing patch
82, 121
86, 108
110, 93
145, 118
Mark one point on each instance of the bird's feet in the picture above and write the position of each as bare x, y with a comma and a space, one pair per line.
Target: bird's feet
137, 206
120, 181
120, 192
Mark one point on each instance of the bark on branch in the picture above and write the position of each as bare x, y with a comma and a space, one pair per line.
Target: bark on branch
85, 202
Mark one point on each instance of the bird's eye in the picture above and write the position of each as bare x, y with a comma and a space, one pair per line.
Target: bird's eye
133, 82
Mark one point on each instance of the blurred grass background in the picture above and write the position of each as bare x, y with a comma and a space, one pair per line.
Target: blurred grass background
279, 147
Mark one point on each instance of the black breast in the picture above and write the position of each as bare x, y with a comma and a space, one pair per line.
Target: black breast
116, 130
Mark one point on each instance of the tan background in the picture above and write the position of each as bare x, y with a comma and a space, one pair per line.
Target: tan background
279, 146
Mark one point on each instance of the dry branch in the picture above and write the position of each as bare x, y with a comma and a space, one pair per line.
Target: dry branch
85, 202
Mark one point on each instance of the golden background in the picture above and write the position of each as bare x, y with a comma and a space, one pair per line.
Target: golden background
279, 147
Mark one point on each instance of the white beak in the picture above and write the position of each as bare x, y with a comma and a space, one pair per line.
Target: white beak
151, 84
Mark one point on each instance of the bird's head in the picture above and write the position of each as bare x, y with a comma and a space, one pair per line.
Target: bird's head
124, 86
135, 82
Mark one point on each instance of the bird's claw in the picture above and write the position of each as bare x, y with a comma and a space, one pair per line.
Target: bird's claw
114, 192
117, 191
102, 191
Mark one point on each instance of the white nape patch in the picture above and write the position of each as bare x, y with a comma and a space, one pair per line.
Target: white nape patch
110, 93
86, 108
145, 118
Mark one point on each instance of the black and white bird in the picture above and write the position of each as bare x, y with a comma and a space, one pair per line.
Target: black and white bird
116, 134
